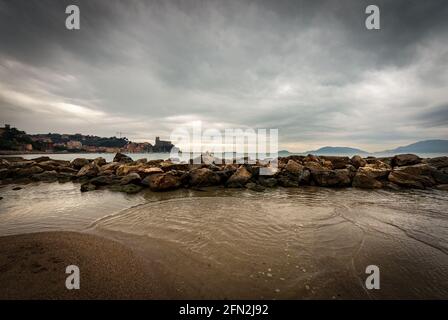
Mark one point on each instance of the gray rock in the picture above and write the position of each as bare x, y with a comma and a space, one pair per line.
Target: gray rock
337, 162
405, 160
41, 159
85, 187
203, 177
332, 178
418, 176
131, 178
48, 176
239, 178
358, 161
24, 172
288, 181
4, 173
438, 162
304, 177
366, 180
294, 168
100, 161
78, 163
103, 180
119, 157
162, 181
89, 170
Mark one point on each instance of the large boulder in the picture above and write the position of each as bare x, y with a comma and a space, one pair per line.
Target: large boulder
337, 162
305, 177
292, 174
367, 177
288, 181
142, 160
125, 169
112, 166
332, 178
103, 180
365, 181
225, 174
49, 165
4, 173
410, 181
25, 172
405, 160
119, 157
440, 177
358, 161
131, 178
22, 164
67, 170
100, 161
203, 177
239, 178
311, 158
89, 170
376, 169
418, 176
48, 176
87, 186
162, 181
4, 164
78, 163
41, 159
169, 166
438, 162
313, 166
421, 169
144, 171
294, 168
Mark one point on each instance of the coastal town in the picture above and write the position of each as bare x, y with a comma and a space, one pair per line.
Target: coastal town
13, 141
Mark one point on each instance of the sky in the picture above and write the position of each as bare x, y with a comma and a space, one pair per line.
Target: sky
310, 69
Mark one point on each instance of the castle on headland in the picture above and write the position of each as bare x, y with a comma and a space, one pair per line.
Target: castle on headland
162, 146
13, 140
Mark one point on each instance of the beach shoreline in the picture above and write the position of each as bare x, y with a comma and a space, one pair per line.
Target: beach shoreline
33, 266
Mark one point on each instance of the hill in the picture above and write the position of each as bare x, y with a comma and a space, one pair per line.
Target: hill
337, 151
427, 146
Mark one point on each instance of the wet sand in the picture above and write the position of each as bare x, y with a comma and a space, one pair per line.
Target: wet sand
312, 243
32, 266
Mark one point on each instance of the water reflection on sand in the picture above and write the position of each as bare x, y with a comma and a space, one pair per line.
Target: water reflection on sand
282, 243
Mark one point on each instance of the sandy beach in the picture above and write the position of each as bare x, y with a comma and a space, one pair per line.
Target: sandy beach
32, 266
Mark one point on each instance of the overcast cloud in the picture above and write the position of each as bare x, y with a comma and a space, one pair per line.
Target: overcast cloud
308, 68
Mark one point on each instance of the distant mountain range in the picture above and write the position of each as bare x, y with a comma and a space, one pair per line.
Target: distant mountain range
337, 150
427, 146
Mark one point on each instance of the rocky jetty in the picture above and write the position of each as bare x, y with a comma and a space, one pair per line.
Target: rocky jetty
126, 175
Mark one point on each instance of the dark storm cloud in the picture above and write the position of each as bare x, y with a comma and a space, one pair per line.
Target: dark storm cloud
309, 68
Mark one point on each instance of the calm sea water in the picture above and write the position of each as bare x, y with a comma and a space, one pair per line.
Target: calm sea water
155, 156
108, 156
282, 243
